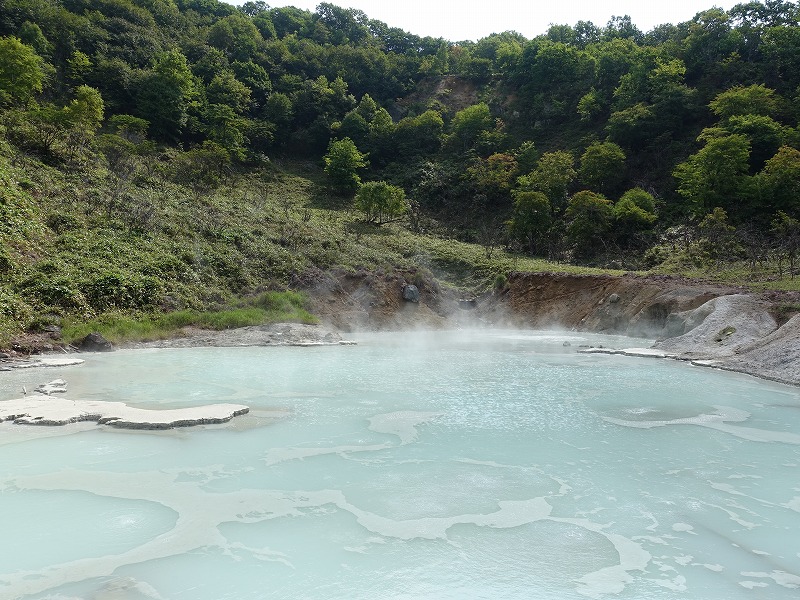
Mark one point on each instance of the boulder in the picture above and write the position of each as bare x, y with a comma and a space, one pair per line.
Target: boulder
94, 342
410, 293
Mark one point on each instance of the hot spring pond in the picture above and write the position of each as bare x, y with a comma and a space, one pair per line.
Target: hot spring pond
412, 466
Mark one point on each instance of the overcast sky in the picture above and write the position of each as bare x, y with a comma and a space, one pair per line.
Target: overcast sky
458, 20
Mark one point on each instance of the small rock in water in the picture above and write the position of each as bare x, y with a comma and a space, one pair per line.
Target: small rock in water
566, 344
57, 386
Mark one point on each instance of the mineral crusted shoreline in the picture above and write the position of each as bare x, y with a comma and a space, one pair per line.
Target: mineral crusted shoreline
48, 410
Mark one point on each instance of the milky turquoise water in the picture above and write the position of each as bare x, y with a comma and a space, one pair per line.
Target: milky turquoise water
412, 466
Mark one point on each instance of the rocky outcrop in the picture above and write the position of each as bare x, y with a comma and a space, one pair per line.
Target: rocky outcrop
410, 293
775, 356
721, 327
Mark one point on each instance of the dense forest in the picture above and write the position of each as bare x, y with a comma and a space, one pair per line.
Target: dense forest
597, 144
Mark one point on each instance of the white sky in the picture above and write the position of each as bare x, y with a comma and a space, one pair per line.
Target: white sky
458, 20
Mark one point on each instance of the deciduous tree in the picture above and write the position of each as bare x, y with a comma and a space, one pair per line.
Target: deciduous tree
21, 72
602, 167
589, 218
716, 174
381, 202
531, 220
342, 163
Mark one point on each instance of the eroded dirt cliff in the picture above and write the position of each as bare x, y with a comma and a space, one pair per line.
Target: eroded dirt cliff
629, 305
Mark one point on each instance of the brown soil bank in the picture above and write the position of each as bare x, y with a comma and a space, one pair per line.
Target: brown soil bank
628, 305
373, 300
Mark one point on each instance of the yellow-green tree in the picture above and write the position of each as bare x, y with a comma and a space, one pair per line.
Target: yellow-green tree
381, 202
21, 73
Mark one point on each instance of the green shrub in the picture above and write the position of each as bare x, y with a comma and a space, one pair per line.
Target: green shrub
500, 281
115, 290
57, 292
61, 222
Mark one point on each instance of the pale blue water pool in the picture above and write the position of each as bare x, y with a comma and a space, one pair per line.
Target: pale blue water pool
412, 466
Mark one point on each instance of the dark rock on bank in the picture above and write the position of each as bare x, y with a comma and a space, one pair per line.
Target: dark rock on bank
410, 293
94, 342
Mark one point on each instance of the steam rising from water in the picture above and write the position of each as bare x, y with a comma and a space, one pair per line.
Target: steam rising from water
494, 464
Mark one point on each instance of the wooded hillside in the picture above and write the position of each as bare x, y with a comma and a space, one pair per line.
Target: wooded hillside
599, 144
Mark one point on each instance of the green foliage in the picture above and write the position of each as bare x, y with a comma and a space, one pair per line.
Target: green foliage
21, 72
589, 217
500, 281
602, 167
85, 112
237, 36
270, 307
494, 177
381, 202
468, 124
634, 214
765, 135
780, 180
202, 168
787, 233
342, 163
641, 199
746, 100
14, 314
716, 174
226, 89
164, 95
129, 127
531, 220
590, 106
110, 290
420, 135
718, 239
31, 35
78, 65
554, 173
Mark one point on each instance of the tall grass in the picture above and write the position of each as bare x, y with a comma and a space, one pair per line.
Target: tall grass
269, 307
